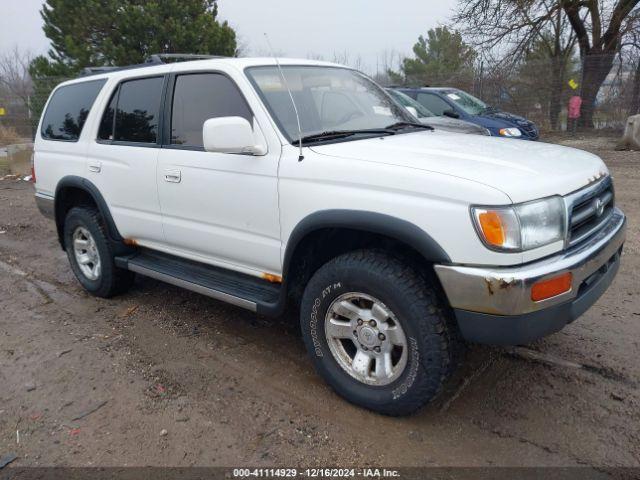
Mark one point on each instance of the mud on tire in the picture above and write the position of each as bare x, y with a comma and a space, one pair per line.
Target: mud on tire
430, 341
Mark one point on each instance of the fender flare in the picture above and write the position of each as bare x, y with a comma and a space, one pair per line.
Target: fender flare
73, 181
370, 222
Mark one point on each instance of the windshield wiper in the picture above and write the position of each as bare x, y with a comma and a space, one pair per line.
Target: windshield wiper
401, 125
330, 135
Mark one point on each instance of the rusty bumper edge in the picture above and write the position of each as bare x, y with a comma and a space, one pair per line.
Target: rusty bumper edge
507, 291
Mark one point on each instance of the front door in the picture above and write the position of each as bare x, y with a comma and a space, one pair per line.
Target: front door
217, 208
434, 103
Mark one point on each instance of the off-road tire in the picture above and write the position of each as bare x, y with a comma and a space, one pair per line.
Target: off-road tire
112, 280
426, 323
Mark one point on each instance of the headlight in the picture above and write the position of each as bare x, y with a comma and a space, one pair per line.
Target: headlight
510, 132
521, 227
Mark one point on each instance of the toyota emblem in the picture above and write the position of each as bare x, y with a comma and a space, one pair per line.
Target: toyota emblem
598, 204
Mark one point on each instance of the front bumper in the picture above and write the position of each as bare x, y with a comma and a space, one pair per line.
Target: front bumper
494, 306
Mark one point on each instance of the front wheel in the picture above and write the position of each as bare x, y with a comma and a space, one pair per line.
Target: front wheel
376, 332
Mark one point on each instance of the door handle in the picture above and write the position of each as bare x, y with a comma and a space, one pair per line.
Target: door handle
95, 167
172, 176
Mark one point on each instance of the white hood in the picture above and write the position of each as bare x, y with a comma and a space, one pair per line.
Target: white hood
522, 169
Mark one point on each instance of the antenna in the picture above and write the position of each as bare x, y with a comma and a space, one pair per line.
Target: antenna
293, 102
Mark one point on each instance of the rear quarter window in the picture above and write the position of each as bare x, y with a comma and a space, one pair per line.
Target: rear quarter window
68, 110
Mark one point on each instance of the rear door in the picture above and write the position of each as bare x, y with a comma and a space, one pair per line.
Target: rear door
123, 161
217, 208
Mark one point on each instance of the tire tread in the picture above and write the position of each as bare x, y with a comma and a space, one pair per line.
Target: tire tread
436, 329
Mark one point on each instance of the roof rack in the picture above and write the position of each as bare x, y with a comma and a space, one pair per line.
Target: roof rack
85, 72
184, 57
155, 59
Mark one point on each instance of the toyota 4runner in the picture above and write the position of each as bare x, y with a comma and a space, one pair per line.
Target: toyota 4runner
303, 183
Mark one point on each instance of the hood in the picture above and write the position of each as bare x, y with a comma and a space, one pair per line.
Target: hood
453, 125
522, 170
498, 119
502, 115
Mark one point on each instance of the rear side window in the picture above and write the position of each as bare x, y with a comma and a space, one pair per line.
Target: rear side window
199, 97
68, 110
434, 103
136, 107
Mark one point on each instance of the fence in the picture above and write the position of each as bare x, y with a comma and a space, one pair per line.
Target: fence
540, 89
536, 89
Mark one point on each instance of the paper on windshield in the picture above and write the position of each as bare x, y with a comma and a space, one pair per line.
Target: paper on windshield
378, 110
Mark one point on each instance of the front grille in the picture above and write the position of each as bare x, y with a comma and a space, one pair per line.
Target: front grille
528, 128
589, 210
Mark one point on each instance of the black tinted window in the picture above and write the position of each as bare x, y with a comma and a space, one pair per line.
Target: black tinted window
106, 124
68, 110
138, 110
434, 103
200, 97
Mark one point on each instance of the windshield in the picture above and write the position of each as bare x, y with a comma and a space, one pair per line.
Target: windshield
469, 103
328, 99
406, 101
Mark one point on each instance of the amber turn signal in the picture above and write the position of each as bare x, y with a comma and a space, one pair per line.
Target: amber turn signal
551, 287
491, 225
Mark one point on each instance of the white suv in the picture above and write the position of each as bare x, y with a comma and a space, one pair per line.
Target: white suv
306, 184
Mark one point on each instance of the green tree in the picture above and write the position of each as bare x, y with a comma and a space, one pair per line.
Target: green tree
442, 57
122, 32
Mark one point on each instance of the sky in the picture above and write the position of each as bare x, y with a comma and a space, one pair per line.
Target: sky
347, 30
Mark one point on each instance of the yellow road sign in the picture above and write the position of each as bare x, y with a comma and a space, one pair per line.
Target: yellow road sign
3, 112
573, 84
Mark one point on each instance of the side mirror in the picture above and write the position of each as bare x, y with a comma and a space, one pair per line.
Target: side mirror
412, 111
451, 114
230, 135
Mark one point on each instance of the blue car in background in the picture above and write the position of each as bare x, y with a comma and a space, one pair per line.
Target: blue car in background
454, 103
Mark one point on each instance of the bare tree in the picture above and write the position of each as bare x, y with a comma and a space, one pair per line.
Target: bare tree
599, 44
315, 56
14, 74
387, 63
343, 58
635, 96
597, 25
632, 48
513, 29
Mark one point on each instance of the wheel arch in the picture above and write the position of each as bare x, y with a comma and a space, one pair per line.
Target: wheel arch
72, 191
363, 229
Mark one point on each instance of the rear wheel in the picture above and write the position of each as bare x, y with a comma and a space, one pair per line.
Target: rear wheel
377, 333
91, 255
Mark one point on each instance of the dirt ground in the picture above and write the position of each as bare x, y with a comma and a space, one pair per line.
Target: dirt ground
178, 379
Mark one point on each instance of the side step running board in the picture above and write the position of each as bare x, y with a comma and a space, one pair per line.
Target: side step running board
235, 288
